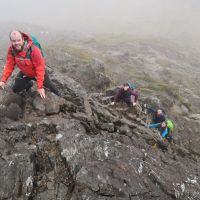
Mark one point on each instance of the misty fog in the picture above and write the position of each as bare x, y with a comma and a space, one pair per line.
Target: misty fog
165, 18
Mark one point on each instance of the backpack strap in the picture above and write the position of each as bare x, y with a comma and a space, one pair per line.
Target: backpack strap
28, 55
13, 52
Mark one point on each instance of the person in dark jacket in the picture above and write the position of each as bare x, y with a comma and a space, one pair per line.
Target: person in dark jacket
32, 68
159, 115
126, 94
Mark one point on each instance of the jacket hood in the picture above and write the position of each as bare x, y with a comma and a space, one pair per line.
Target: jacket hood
27, 37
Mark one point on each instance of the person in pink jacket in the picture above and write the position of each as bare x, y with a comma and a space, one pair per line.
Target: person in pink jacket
126, 94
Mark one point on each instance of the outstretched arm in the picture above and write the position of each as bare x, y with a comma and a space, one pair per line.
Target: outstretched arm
39, 64
9, 67
153, 125
135, 94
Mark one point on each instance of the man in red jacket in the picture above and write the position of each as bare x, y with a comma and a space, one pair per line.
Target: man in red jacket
32, 68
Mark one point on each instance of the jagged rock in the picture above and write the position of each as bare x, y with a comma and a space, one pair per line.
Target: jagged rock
98, 65
96, 74
92, 76
176, 110
153, 101
13, 111
185, 110
87, 107
108, 127
2, 145
81, 116
2, 110
111, 91
179, 110
10, 105
163, 144
50, 105
39, 104
69, 87
182, 151
16, 177
80, 148
195, 116
7, 97
125, 130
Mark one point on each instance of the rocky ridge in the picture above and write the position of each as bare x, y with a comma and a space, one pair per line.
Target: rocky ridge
78, 147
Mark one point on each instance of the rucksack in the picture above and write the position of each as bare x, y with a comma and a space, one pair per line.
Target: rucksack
36, 43
133, 86
170, 125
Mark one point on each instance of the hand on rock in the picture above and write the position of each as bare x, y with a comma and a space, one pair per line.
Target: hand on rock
2, 84
42, 93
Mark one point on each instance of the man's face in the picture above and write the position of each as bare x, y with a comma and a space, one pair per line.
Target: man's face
16, 40
159, 112
163, 124
126, 88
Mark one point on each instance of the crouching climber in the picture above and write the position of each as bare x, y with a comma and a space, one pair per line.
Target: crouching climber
125, 94
158, 115
166, 129
24, 53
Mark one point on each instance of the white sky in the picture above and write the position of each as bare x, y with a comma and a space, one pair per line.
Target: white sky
169, 17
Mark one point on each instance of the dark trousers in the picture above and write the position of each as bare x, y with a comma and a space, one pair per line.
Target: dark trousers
127, 99
23, 82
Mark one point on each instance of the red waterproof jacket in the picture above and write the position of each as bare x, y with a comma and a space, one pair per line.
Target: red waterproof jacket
33, 67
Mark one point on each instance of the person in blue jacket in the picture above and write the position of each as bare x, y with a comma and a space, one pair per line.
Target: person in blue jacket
165, 128
159, 115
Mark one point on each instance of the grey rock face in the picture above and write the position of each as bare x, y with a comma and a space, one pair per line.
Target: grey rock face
51, 105
10, 105
78, 147
17, 170
91, 76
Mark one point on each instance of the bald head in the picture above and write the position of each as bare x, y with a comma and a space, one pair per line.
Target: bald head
14, 34
17, 40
